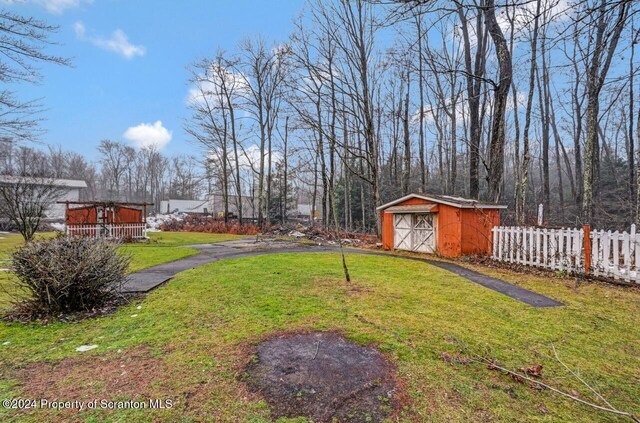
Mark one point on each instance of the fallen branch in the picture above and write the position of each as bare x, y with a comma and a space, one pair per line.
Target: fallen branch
579, 378
608, 409
521, 377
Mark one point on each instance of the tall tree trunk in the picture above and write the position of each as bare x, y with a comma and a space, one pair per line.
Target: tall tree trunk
558, 140
348, 218
474, 72
285, 192
630, 149
521, 200
263, 141
516, 122
267, 200
577, 130
496, 149
423, 172
236, 157
314, 196
406, 165
225, 171
638, 172
544, 116
596, 75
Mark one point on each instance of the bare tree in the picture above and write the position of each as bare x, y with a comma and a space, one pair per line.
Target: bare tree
23, 41
113, 164
264, 73
607, 25
521, 192
24, 200
475, 74
501, 93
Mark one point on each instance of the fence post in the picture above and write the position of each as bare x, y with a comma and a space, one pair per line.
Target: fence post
587, 248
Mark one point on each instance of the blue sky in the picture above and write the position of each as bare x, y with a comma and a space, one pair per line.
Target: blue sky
115, 84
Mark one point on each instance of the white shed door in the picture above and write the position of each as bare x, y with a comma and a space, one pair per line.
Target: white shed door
424, 234
414, 232
402, 231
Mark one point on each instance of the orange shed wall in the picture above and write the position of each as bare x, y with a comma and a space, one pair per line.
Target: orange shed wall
448, 231
476, 230
387, 230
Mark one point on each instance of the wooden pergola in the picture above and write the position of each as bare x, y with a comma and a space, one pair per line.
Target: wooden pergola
111, 219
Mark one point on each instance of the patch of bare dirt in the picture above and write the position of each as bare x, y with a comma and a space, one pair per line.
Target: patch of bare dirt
129, 374
324, 377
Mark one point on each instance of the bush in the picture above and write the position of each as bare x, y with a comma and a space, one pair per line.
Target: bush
65, 275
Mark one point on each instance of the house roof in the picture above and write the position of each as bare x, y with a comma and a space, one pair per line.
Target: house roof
414, 208
89, 204
449, 200
68, 183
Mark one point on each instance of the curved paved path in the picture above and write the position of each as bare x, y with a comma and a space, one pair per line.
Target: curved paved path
152, 277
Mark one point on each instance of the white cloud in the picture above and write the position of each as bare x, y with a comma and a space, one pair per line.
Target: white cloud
80, 29
148, 135
57, 7
248, 158
209, 86
118, 42
524, 14
252, 156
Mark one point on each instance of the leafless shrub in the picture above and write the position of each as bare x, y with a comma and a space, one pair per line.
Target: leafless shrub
64, 275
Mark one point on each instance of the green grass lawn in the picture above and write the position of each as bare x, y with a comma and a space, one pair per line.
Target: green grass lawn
189, 340
162, 247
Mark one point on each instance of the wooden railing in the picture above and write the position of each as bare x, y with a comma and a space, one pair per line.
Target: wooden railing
602, 253
112, 230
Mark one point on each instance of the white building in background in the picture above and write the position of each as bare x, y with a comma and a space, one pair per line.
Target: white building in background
69, 191
185, 206
213, 206
249, 207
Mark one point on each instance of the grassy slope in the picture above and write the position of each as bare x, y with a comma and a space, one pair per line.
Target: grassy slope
199, 323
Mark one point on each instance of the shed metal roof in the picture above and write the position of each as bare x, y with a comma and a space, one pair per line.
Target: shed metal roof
449, 200
414, 208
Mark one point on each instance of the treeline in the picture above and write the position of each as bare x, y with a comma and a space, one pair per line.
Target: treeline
523, 102
120, 173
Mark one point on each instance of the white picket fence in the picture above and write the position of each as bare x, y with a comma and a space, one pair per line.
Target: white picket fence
613, 254
616, 254
115, 230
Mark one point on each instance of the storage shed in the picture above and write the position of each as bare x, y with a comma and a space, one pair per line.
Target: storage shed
446, 225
